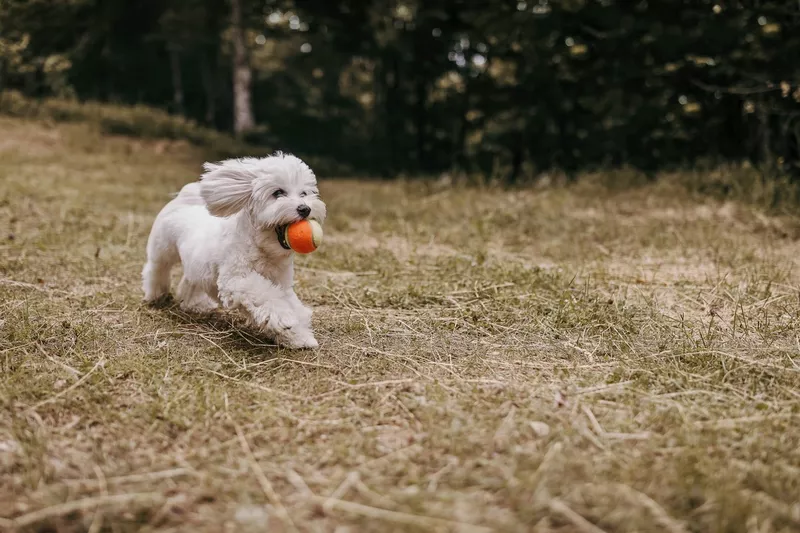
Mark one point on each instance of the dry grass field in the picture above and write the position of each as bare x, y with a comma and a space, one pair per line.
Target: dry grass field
554, 359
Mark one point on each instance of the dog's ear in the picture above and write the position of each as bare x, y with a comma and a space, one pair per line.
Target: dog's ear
226, 187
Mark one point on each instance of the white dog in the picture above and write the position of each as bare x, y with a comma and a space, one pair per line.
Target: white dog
224, 231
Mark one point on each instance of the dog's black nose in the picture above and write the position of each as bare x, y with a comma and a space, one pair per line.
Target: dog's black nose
304, 211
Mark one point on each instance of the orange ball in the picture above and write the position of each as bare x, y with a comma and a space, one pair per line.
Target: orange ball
303, 236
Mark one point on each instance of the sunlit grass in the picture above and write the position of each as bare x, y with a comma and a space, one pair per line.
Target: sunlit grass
510, 360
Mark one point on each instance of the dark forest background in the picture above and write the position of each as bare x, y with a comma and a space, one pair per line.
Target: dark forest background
504, 88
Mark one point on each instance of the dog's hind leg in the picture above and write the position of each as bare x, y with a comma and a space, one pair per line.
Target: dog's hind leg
155, 280
161, 257
194, 298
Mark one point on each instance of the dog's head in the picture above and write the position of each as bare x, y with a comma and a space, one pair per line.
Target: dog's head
274, 191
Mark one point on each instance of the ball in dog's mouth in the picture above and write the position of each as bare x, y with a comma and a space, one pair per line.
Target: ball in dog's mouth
303, 236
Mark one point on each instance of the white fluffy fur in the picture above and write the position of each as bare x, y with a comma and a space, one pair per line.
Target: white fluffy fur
222, 230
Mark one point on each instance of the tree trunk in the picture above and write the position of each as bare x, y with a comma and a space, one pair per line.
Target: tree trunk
177, 79
421, 102
764, 134
391, 106
421, 123
208, 88
243, 119
458, 158
517, 156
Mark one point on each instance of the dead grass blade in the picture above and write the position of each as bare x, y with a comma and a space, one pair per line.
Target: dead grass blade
70, 388
659, 513
82, 506
580, 523
397, 517
263, 481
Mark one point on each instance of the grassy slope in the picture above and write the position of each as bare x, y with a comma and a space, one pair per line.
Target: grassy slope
554, 358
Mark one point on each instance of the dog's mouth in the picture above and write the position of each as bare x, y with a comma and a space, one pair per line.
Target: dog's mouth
281, 231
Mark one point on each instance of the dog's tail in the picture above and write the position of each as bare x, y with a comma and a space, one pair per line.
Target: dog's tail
190, 195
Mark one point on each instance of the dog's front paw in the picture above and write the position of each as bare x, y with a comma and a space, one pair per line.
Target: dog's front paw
297, 339
200, 304
283, 323
275, 318
164, 300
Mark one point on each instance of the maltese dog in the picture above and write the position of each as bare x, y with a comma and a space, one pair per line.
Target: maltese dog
224, 231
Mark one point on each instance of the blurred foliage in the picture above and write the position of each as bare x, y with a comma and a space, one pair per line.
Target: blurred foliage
501, 89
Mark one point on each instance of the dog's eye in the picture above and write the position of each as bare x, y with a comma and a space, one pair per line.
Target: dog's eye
303, 194
279, 193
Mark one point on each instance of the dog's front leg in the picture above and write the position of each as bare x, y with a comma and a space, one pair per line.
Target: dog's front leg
269, 307
303, 313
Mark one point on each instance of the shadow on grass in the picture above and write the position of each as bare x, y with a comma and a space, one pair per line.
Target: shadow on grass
227, 331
